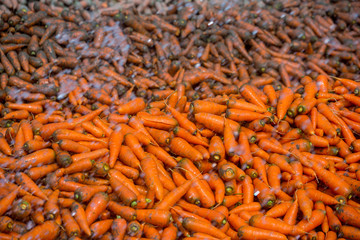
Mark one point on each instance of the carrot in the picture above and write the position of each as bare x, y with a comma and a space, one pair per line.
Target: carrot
269, 223
162, 155
286, 97
243, 105
87, 117
184, 134
253, 206
191, 172
118, 228
347, 214
305, 203
248, 232
4, 146
278, 210
30, 107
99, 228
249, 95
115, 142
349, 232
169, 232
243, 115
159, 218
216, 217
36, 173
304, 123
333, 220
148, 164
127, 196
79, 214
28, 185
85, 193
244, 151
128, 213
61, 134
113, 173
269, 146
19, 142
48, 230
161, 137
132, 107
291, 214
72, 146
266, 197
20, 114
132, 142
199, 106
216, 123
181, 147
183, 121
127, 171
160, 122
317, 217
6, 202
51, 208
334, 182
216, 184
127, 157
216, 149
70, 225
96, 206
192, 224
317, 195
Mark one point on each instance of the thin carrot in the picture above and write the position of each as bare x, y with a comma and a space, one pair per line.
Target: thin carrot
115, 142
248, 232
29, 185
79, 214
195, 225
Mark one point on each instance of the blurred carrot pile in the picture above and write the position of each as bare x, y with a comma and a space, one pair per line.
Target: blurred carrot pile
179, 120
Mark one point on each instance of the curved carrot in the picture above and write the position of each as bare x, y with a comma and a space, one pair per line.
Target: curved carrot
317, 217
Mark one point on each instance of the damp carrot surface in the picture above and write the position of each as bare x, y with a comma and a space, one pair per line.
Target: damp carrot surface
179, 120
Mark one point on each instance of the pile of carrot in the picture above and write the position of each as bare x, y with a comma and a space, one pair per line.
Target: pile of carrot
179, 120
